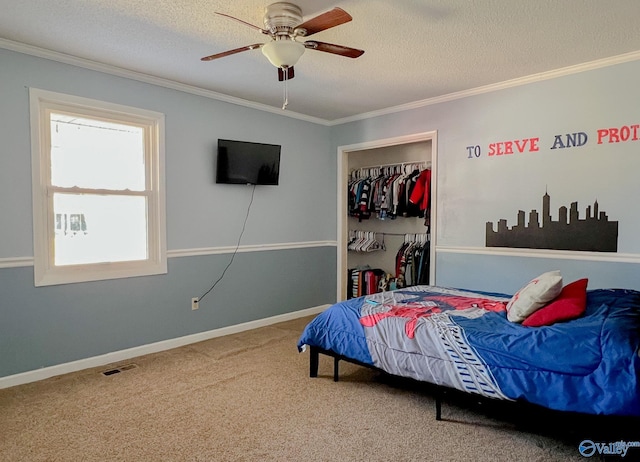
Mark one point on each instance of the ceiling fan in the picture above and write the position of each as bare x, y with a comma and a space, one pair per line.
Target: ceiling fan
283, 23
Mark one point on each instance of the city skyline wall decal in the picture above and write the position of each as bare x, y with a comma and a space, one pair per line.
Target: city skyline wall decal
593, 233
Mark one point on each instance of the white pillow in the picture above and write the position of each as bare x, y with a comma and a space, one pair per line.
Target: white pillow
534, 296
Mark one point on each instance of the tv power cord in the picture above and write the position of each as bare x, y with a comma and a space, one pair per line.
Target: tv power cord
199, 299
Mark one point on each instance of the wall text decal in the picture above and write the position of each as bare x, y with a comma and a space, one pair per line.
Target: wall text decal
611, 135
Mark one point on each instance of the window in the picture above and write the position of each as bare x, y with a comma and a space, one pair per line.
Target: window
98, 190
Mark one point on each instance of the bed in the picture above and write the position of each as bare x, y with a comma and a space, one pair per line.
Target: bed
459, 339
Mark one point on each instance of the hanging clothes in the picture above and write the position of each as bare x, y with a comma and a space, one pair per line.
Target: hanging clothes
420, 195
412, 262
389, 191
360, 198
405, 207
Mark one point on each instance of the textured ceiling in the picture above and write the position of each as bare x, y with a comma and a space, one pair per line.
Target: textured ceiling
414, 49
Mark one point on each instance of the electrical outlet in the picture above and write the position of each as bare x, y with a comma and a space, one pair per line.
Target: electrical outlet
195, 303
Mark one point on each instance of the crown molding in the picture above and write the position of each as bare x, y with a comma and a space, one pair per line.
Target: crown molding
141, 77
153, 80
569, 70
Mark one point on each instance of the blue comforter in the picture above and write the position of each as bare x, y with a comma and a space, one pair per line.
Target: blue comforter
462, 339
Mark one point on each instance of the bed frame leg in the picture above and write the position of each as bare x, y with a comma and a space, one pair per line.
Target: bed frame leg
314, 357
438, 397
335, 368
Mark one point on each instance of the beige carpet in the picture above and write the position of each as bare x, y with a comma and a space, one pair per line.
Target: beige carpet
248, 397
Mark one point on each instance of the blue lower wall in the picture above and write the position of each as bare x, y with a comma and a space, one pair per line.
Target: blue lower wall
53, 325
507, 274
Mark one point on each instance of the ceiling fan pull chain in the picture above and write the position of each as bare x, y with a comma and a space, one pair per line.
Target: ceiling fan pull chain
286, 91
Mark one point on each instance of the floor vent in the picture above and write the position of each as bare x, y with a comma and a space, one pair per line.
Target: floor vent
117, 370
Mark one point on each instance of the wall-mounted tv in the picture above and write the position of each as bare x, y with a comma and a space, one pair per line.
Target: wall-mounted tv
244, 162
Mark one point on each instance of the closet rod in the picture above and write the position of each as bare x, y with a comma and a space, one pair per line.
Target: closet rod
397, 164
393, 234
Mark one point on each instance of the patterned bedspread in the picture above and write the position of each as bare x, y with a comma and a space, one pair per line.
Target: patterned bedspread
462, 339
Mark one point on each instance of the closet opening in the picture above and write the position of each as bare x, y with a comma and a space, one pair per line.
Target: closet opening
386, 223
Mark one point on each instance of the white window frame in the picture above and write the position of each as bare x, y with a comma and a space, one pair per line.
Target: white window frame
42, 103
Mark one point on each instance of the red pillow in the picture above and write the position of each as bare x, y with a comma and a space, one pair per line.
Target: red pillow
570, 304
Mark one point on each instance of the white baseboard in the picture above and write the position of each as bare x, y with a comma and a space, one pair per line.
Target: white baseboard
122, 355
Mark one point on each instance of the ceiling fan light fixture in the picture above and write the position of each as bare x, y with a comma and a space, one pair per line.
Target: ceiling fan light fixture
283, 53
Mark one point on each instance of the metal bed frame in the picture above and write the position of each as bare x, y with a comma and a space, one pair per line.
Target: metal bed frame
314, 362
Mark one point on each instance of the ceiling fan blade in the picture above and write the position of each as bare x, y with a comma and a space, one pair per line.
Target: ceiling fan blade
231, 52
335, 49
259, 29
289, 72
324, 21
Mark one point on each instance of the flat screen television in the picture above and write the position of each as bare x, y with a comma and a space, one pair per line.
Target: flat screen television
244, 162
